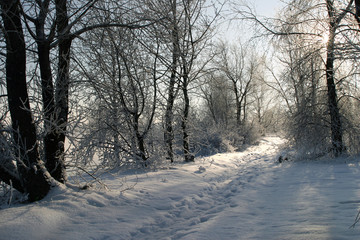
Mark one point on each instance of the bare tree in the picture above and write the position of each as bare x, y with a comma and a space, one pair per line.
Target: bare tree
53, 152
172, 91
195, 35
186, 27
52, 24
335, 19
239, 65
307, 22
218, 97
123, 75
33, 176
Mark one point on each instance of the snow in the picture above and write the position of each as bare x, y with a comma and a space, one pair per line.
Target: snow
239, 195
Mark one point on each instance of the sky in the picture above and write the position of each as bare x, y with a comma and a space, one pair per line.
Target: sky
267, 7
235, 31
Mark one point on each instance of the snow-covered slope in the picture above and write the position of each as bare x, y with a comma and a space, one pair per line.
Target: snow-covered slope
246, 195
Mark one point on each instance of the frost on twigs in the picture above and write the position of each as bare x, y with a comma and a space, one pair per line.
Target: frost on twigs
9, 196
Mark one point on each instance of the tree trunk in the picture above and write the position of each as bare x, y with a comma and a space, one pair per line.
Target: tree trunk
47, 87
140, 140
335, 118
141, 146
56, 164
336, 126
244, 108
238, 104
31, 172
184, 123
357, 13
169, 115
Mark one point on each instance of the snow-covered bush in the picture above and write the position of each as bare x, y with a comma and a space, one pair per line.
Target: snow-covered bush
351, 125
212, 139
309, 134
209, 141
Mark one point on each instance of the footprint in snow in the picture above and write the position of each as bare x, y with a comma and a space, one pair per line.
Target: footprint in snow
95, 203
201, 169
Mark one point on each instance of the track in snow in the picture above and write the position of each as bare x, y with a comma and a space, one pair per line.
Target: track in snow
244, 195
187, 217
262, 199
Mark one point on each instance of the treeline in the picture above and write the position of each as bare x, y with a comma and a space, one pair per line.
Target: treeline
109, 84
317, 45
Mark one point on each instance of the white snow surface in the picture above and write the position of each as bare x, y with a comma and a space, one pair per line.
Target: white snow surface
240, 195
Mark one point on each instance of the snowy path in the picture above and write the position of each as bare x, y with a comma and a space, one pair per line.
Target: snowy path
200, 215
244, 195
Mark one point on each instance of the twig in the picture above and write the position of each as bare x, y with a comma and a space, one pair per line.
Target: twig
357, 219
94, 177
11, 193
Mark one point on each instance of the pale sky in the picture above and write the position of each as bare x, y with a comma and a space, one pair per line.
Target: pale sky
266, 7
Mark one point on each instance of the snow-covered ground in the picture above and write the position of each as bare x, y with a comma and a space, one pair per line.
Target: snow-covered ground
245, 195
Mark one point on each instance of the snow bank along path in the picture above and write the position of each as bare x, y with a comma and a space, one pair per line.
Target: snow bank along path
245, 195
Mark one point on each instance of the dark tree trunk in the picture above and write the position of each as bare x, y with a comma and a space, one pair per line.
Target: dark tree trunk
244, 108
47, 87
31, 171
140, 139
335, 118
169, 115
336, 126
141, 145
56, 139
184, 124
46, 81
238, 104
357, 13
